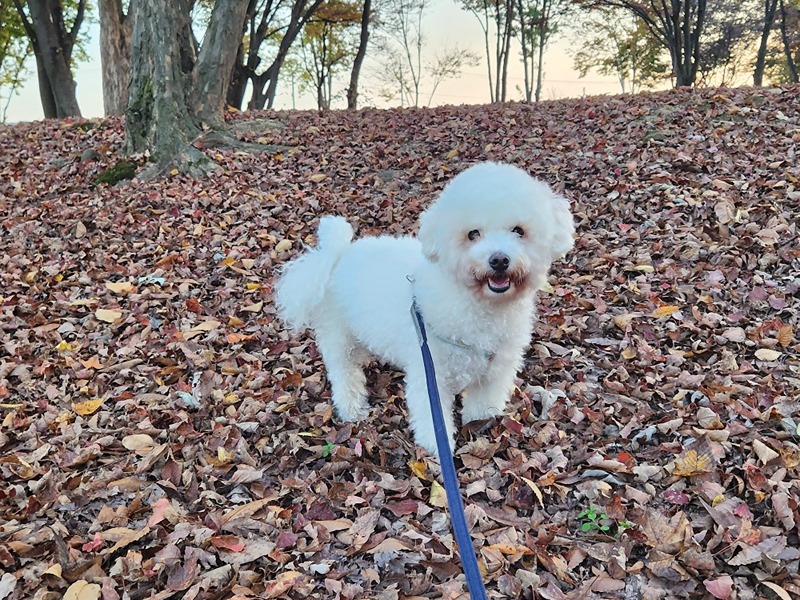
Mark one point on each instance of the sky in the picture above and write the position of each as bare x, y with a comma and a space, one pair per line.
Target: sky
446, 25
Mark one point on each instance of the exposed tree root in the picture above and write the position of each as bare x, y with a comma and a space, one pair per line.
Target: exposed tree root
191, 159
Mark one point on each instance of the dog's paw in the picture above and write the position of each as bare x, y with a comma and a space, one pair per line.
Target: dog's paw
352, 411
480, 413
429, 443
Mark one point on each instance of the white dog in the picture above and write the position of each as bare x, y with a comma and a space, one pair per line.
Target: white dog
484, 249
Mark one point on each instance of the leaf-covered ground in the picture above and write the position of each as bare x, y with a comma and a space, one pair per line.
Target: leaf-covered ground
161, 436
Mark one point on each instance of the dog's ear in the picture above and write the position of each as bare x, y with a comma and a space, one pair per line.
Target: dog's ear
563, 234
427, 234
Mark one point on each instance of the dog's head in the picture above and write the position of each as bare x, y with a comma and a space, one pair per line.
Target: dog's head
497, 230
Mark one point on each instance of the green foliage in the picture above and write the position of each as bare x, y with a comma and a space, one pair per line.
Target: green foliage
15, 46
615, 43
327, 44
596, 521
327, 449
122, 169
777, 70
14, 49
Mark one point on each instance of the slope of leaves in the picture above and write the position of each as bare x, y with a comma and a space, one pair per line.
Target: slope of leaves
161, 436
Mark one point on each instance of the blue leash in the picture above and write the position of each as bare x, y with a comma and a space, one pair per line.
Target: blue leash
454, 501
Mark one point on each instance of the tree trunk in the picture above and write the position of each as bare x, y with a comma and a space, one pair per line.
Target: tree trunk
116, 29
677, 25
247, 59
300, 15
787, 46
352, 89
45, 91
157, 116
52, 46
212, 73
761, 57
173, 97
525, 47
540, 67
272, 86
509, 34
238, 81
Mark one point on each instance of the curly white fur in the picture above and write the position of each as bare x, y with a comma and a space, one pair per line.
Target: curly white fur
484, 249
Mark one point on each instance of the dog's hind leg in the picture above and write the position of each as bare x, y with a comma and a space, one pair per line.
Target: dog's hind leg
344, 361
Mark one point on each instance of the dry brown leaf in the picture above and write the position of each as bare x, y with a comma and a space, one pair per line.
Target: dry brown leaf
87, 407
782, 593
438, 496
767, 354
120, 287
765, 453
692, 463
141, 443
664, 311
785, 335
108, 315
82, 590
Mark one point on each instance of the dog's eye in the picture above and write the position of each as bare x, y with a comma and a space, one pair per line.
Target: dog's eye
473, 235
519, 231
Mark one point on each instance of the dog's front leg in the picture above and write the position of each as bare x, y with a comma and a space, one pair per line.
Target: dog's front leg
487, 397
419, 411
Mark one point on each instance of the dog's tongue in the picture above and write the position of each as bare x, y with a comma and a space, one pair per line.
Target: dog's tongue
499, 281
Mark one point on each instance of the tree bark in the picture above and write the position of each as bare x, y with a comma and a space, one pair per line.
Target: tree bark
45, 91
352, 89
214, 67
238, 81
507, 35
543, 33
787, 46
157, 116
175, 97
116, 30
770, 6
52, 45
265, 84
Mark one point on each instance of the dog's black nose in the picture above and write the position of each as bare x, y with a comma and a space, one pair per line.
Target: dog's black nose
499, 261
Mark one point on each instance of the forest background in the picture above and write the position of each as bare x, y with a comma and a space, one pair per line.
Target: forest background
303, 53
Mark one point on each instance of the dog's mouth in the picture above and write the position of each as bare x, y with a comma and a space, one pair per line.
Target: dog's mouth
499, 283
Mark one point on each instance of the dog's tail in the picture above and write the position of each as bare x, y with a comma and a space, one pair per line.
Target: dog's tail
300, 291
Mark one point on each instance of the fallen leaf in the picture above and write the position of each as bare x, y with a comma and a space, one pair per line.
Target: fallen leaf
92, 363
283, 245
767, 354
87, 407
721, 588
782, 593
692, 464
141, 443
107, 315
664, 311
765, 453
82, 590
785, 335
120, 287
438, 495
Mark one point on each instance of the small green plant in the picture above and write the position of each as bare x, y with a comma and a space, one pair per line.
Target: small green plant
595, 520
327, 450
